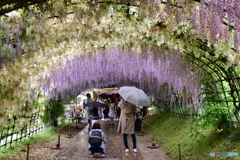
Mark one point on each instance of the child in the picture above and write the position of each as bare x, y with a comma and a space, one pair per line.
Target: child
95, 148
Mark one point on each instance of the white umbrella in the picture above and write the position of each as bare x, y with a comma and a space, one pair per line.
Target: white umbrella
134, 95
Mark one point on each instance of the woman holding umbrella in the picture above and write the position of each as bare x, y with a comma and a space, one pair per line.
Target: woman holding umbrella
132, 96
126, 123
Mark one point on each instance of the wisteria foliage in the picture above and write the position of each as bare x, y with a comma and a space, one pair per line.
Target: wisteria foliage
120, 65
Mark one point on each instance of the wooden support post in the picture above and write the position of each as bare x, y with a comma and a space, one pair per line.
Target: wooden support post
76, 122
155, 135
27, 151
154, 144
69, 133
141, 133
179, 150
58, 144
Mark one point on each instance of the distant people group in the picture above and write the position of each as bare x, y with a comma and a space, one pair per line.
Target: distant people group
110, 110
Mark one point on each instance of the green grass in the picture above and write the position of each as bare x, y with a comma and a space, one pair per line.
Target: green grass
44, 136
196, 143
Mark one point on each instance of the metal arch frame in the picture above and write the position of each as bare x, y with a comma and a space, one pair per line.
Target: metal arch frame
222, 73
210, 73
233, 88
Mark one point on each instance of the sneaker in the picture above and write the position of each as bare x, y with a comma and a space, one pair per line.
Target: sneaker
103, 155
135, 150
91, 155
127, 150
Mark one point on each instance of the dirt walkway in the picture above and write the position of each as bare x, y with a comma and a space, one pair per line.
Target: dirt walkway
77, 149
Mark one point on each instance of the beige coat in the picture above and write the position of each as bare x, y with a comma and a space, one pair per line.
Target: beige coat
126, 123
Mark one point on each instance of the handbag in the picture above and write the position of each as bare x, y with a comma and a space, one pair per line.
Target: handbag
138, 124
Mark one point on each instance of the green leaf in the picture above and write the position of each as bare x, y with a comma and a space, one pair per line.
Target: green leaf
24, 35
2, 32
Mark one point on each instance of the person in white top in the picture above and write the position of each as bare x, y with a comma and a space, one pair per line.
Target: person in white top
111, 113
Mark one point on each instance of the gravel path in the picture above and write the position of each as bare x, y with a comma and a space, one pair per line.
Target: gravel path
77, 149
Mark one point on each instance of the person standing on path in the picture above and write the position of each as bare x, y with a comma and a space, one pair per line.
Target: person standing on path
100, 110
111, 113
88, 110
126, 124
95, 115
106, 110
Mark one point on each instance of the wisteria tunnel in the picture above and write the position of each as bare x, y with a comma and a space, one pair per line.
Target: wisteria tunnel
183, 53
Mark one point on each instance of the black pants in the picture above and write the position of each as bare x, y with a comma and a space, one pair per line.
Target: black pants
96, 150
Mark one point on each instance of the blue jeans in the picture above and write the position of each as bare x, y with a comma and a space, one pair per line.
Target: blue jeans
134, 140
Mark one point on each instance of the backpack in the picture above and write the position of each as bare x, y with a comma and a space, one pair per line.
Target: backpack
95, 139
